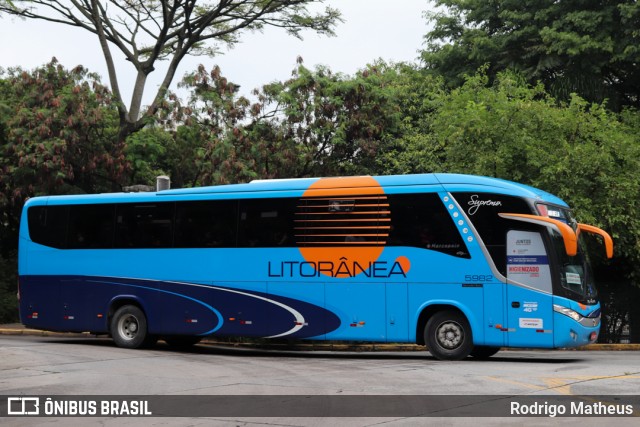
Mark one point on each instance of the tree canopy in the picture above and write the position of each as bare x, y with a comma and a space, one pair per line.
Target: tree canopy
586, 47
148, 31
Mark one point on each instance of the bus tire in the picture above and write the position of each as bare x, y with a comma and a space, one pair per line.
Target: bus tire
182, 341
129, 328
448, 335
483, 351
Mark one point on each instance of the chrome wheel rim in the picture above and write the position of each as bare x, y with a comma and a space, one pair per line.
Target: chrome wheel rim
449, 335
128, 326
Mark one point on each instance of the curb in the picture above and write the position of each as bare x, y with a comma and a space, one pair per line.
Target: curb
306, 346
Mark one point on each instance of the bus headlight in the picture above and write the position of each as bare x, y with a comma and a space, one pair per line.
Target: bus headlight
567, 312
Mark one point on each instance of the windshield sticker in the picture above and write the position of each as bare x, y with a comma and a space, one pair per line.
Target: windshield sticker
573, 279
475, 204
527, 260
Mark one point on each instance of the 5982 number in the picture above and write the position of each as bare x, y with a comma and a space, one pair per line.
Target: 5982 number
478, 278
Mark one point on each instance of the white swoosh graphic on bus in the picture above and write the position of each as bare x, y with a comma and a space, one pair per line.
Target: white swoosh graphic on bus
296, 314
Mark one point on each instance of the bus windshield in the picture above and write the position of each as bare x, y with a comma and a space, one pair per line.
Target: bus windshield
575, 275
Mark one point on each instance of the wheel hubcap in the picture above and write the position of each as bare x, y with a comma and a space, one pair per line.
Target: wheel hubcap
450, 335
128, 327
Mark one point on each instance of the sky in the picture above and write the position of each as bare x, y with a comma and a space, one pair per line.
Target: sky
372, 29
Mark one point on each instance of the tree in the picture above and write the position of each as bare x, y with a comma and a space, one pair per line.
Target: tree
316, 123
579, 151
149, 31
337, 123
584, 47
59, 137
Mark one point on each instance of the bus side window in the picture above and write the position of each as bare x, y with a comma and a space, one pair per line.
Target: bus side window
144, 225
91, 226
48, 225
266, 223
206, 224
422, 221
482, 210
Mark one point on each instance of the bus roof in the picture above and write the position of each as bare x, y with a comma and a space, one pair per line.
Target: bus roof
295, 187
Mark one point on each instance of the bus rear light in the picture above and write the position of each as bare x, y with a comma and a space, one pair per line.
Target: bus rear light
100, 316
593, 336
191, 320
246, 322
69, 317
33, 315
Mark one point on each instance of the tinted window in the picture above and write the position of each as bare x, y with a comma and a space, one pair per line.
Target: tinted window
422, 221
207, 224
144, 225
483, 209
91, 226
266, 223
48, 225
358, 220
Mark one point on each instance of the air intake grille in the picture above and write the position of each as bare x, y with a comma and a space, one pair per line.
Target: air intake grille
354, 221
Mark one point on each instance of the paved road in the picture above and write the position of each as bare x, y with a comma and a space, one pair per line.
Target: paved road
89, 366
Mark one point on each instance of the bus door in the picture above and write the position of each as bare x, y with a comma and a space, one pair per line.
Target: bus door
529, 291
397, 312
493, 298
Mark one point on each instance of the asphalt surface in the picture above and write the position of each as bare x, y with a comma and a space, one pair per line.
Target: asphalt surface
40, 363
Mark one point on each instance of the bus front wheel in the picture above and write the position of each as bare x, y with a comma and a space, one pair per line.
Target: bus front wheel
448, 336
129, 328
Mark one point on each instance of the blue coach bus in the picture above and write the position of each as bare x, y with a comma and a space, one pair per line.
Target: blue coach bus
462, 264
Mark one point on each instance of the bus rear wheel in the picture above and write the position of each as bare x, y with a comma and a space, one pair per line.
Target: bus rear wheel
448, 335
129, 328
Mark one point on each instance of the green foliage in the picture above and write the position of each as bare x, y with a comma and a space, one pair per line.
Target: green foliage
316, 123
57, 136
58, 131
60, 135
590, 48
338, 124
8, 291
581, 152
146, 32
146, 155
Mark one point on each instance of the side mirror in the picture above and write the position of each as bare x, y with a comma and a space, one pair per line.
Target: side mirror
608, 241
